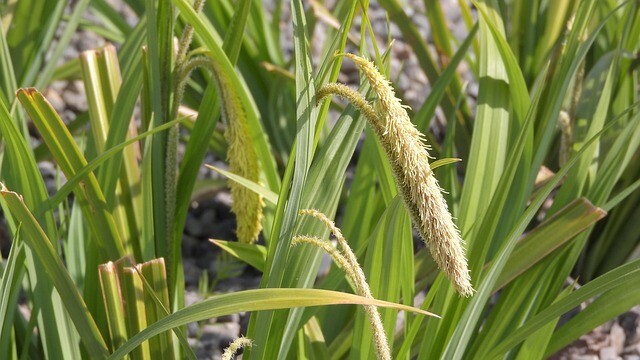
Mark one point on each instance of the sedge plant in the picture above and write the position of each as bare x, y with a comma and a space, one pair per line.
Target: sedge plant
545, 197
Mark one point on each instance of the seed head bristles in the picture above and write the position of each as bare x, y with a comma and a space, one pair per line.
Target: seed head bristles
330, 225
243, 160
241, 155
170, 183
409, 157
182, 73
187, 35
355, 273
171, 158
329, 249
354, 98
236, 345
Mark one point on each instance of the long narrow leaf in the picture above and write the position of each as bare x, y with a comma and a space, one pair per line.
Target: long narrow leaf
622, 277
253, 300
46, 255
71, 161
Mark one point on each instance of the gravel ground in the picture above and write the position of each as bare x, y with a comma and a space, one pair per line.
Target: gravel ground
616, 339
211, 217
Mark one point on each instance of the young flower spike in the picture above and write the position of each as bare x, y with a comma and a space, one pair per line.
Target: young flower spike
409, 158
347, 260
236, 345
241, 154
243, 160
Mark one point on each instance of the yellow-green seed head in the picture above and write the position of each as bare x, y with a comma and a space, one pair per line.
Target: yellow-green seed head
243, 161
408, 154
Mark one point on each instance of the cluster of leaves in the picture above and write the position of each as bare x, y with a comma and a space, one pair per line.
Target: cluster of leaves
557, 95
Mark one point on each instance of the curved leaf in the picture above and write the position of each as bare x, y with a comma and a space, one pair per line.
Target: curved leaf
253, 300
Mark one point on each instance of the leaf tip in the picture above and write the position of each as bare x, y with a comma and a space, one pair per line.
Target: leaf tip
29, 91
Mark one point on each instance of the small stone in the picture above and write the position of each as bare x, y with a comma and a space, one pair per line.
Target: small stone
618, 338
191, 271
208, 221
47, 169
85, 40
224, 198
54, 99
189, 246
630, 322
219, 334
194, 227
51, 176
608, 353
67, 116
74, 96
70, 53
192, 330
632, 349
58, 86
191, 297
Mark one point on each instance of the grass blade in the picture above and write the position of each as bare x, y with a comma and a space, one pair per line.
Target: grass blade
253, 300
36, 239
622, 277
607, 306
9, 290
252, 254
71, 161
112, 300
553, 233
268, 195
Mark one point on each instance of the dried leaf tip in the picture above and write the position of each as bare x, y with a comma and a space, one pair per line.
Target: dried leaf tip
409, 157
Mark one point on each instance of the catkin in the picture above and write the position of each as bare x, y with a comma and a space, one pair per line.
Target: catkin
409, 157
241, 154
243, 161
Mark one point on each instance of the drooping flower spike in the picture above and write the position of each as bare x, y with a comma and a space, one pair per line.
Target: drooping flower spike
241, 154
347, 260
404, 146
243, 160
